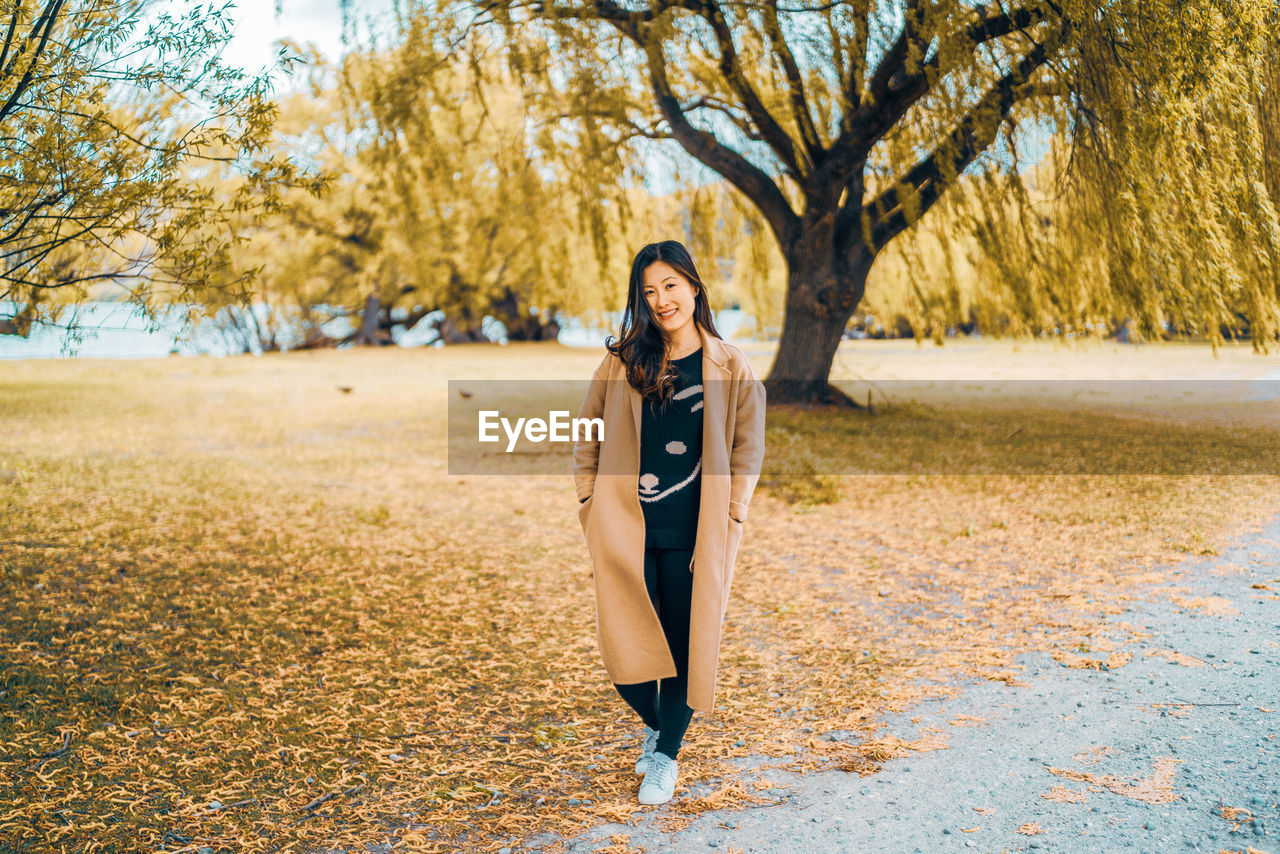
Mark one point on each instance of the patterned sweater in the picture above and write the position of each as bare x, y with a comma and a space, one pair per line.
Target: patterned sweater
671, 460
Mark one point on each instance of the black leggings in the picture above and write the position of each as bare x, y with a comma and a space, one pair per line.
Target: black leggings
670, 585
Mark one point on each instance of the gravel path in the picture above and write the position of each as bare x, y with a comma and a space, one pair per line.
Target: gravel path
1139, 776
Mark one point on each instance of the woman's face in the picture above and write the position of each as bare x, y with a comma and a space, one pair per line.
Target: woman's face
670, 296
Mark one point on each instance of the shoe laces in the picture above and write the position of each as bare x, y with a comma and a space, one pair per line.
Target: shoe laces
663, 770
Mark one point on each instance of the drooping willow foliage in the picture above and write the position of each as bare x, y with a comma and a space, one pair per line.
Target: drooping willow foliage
1083, 167
1155, 208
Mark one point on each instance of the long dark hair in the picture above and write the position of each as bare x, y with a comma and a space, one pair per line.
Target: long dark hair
643, 346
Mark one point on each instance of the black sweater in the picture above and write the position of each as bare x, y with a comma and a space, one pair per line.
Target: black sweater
671, 460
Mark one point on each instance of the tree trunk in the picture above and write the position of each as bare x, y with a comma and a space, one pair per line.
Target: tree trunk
822, 295
523, 325
452, 333
369, 321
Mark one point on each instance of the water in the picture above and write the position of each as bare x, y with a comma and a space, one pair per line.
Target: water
115, 330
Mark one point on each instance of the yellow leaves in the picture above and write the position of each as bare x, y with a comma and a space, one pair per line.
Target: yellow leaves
1118, 659
619, 841
891, 746
546, 735
1113, 661
1078, 776
1178, 658
1231, 814
735, 795
459, 637
1062, 794
1217, 606
1154, 789
469, 792
1093, 754
1031, 828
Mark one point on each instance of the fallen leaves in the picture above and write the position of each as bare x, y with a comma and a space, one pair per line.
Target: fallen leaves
1094, 754
733, 796
1157, 788
1078, 776
1233, 813
1217, 606
1062, 794
260, 595
1112, 662
724, 797
620, 844
1031, 828
867, 757
1179, 658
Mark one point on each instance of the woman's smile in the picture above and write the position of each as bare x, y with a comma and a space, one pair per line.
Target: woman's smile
672, 300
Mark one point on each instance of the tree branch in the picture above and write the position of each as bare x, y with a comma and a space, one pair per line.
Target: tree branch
754, 183
892, 91
799, 103
45, 20
930, 177
8, 39
777, 138
892, 61
742, 124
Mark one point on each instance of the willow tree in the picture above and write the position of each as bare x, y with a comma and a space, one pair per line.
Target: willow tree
104, 106
844, 122
1161, 220
473, 223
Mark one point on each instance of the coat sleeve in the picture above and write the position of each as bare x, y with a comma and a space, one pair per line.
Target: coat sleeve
586, 451
747, 456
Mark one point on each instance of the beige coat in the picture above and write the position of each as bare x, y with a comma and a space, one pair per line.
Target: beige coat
628, 631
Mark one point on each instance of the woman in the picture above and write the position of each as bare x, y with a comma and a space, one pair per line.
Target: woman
664, 496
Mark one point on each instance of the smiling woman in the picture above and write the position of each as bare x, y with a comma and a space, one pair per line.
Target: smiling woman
664, 497
673, 298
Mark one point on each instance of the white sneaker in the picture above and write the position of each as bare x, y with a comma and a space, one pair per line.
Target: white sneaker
646, 755
660, 780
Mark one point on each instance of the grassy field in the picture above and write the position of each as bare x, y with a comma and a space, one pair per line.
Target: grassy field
244, 610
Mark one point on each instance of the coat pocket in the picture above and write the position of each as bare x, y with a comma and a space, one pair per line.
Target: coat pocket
733, 538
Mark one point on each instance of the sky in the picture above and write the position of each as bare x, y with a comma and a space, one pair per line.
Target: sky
258, 28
